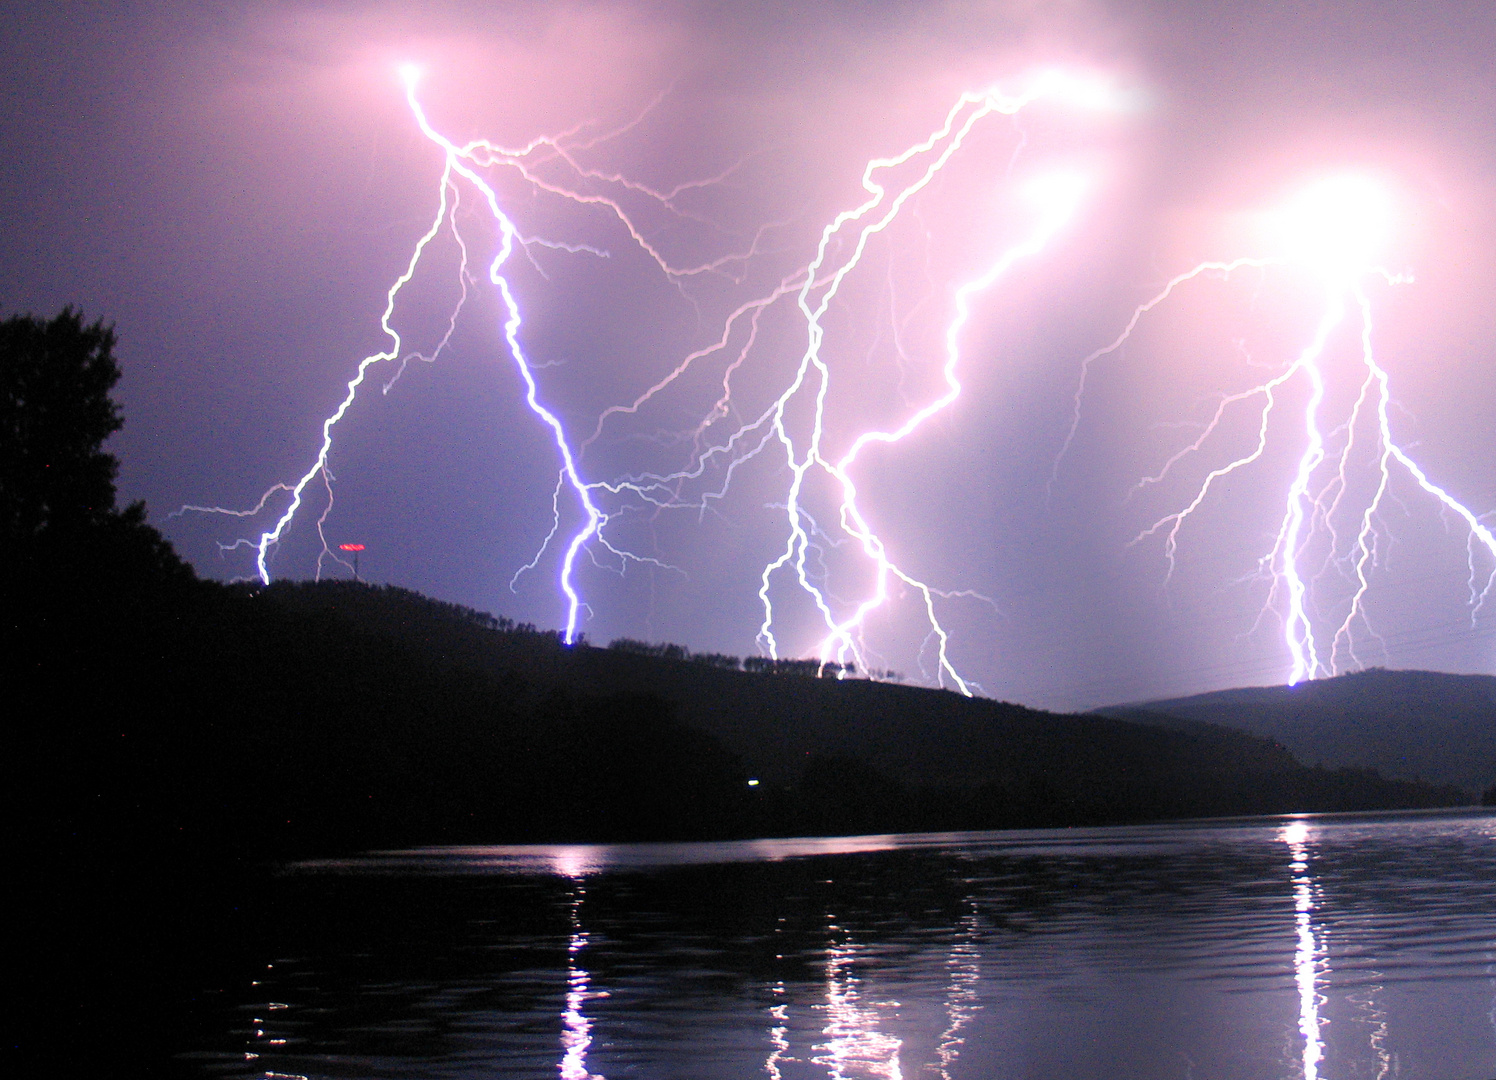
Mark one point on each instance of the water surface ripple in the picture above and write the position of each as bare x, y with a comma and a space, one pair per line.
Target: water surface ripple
1314, 948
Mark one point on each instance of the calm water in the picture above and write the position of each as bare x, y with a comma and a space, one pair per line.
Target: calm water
1335, 948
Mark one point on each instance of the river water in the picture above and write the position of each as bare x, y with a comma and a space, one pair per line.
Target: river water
1312, 948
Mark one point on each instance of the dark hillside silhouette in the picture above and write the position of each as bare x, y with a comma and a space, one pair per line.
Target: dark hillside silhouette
1409, 725
941, 761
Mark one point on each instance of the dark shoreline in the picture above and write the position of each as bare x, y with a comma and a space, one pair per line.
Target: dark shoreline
188, 738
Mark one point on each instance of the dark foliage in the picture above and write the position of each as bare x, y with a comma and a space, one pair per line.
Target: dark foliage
55, 413
757, 665
63, 543
805, 669
665, 649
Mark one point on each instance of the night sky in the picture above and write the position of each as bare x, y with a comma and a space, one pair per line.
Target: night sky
237, 186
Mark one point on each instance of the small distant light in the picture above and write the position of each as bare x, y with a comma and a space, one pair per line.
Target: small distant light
753, 783
350, 547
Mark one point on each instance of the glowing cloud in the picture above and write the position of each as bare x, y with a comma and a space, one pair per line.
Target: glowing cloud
1340, 225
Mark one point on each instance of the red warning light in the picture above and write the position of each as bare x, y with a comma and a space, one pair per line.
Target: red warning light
350, 547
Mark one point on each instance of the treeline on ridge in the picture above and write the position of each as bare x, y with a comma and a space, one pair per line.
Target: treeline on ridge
758, 665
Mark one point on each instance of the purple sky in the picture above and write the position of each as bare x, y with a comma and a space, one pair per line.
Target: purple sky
236, 186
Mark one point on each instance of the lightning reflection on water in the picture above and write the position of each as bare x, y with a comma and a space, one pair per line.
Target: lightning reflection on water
1308, 954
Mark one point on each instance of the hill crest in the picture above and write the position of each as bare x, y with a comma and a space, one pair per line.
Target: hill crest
1409, 725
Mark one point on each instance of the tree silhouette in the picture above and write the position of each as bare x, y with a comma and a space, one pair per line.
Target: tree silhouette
55, 413
59, 526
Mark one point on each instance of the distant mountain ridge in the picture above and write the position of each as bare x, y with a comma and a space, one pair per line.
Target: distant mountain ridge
1408, 725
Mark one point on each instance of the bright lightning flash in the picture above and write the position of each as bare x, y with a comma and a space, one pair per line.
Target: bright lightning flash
793, 418
466, 163
816, 288
1056, 199
1337, 228
1341, 226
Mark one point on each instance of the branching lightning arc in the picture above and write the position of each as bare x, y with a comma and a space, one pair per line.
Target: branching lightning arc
730, 435
1327, 537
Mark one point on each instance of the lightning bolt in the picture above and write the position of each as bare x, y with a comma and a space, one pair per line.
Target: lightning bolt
723, 442
840, 640
816, 289
319, 468
876, 214
465, 163
1327, 230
